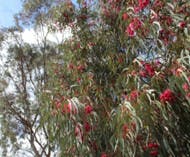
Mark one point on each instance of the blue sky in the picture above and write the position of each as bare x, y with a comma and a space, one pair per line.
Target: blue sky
7, 10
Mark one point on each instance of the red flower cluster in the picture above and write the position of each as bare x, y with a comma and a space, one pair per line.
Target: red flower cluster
147, 71
130, 31
167, 96
88, 109
79, 68
143, 4
153, 147
133, 27
134, 94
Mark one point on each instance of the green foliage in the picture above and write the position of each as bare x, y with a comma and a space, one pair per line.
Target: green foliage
120, 87
124, 78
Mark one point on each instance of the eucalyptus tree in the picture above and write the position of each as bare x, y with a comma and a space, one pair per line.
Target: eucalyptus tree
118, 87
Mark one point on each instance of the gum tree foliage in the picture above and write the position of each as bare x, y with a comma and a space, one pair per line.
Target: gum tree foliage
121, 85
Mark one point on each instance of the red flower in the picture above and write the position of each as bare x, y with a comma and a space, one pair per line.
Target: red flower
167, 96
177, 71
57, 104
125, 130
79, 80
69, 108
88, 109
137, 9
81, 68
130, 31
185, 87
134, 94
153, 145
125, 16
104, 155
182, 24
135, 24
149, 69
133, 73
87, 127
154, 153
142, 73
143, 3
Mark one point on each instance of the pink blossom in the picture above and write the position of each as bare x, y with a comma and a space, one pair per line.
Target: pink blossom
78, 132
142, 73
143, 3
57, 104
69, 108
167, 96
185, 87
130, 31
104, 155
133, 26
182, 24
134, 94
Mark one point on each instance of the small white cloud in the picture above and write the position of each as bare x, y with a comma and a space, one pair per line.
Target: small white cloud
29, 36
34, 37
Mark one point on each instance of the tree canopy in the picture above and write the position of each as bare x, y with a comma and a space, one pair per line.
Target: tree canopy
118, 87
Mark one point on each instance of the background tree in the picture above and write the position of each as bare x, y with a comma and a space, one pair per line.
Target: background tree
24, 73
